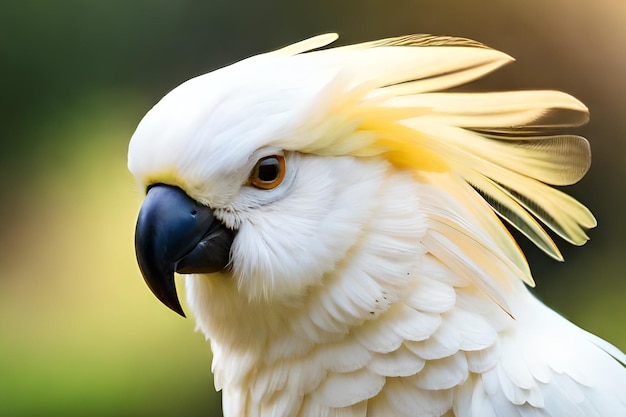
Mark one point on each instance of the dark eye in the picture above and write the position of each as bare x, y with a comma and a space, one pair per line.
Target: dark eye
268, 172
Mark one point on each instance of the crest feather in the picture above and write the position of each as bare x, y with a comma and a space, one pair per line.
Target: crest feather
308, 44
423, 40
493, 141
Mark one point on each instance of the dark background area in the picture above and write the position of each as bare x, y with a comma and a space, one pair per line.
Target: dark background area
80, 334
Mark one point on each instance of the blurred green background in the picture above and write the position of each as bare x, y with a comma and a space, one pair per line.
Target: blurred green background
80, 333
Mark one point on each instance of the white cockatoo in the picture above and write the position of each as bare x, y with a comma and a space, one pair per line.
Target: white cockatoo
338, 217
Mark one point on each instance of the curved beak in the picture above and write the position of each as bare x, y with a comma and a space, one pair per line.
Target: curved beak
175, 233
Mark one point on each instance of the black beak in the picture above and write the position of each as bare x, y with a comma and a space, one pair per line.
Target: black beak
174, 233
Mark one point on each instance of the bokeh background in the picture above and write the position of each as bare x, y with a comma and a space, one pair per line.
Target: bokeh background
80, 334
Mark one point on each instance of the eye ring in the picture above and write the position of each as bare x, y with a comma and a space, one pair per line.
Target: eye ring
268, 172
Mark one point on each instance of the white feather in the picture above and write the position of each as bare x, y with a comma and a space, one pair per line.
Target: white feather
406, 400
346, 355
369, 285
346, 389
402, 362
481, 405
378, 336
445, 342
315, 409
480, 361
441, 374
430, 295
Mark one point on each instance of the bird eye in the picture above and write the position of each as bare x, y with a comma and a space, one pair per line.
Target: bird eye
268, 172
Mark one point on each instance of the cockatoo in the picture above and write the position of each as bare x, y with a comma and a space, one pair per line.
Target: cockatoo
339, 221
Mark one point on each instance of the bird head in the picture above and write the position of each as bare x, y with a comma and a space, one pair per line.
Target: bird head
265, 174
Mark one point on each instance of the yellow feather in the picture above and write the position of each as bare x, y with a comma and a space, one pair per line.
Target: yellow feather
563, 214
556, 160
460, 253
308, 44
499, 109
402, 147
422, 40
514, 213
485, 218
391, 107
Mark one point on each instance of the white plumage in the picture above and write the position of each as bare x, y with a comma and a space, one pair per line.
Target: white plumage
376, 280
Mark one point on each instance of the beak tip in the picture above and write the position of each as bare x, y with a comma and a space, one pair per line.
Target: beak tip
174, 305
162, 285
178, 309
172, 302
